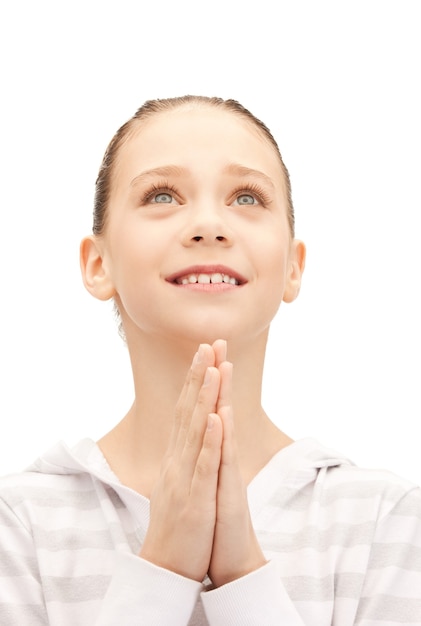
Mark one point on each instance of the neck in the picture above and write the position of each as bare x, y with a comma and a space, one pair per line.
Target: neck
159, 370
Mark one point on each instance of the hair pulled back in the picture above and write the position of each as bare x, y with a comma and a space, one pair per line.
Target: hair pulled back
150, 107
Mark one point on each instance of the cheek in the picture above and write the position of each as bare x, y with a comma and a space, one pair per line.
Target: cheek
130, 262
274, 250
274, 270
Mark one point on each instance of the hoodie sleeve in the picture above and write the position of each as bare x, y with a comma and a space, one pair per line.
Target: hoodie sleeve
392, 588
21, 594
143, 593
146, 594
255, 599
138, 593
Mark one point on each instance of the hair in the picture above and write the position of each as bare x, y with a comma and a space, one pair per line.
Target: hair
150, 107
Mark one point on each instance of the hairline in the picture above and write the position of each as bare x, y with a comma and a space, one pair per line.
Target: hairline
109, 167
135, 124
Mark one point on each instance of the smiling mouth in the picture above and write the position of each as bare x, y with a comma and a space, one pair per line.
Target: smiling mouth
206, 279
217, 277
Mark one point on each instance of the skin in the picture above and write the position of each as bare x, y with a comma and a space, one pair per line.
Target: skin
196, 433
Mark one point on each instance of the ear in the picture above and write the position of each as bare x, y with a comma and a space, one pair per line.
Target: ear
296, 268
95, 274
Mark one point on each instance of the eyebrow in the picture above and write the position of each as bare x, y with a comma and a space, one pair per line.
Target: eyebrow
240, 170
233, 169
164, 171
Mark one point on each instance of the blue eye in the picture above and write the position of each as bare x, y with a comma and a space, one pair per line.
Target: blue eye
246, 199
163, 198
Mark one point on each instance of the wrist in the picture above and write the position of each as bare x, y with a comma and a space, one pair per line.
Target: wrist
236, 571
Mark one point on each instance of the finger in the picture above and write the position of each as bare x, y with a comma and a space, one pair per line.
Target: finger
220, 349
232, 498
203, 359
205, 477
225, 388
179, 411
229, 446
206, 404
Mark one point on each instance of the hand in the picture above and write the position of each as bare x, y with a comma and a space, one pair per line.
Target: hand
183, 503
236, 551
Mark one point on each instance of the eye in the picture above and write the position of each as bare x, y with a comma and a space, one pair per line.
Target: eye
162, 198
245, 199
250, 195
160, 193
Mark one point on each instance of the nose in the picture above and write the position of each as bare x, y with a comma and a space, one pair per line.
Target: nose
207, 226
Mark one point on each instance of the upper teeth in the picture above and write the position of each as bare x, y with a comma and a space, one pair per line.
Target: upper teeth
207, 278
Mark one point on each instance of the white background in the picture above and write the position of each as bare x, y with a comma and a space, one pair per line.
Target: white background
338, 83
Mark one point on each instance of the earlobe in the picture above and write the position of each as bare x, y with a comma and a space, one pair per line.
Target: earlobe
296, 269
95, 275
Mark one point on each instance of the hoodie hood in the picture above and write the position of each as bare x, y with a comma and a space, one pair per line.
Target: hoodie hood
86, 456
300, 462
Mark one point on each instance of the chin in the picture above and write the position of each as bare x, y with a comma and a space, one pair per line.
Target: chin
234, 333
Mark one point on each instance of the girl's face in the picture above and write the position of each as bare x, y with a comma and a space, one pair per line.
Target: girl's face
197, 244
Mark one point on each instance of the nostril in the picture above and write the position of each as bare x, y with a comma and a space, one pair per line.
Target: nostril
201, 238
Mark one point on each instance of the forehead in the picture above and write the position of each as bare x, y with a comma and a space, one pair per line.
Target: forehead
203, 136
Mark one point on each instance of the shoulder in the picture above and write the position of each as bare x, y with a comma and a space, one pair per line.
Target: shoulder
332, 488
64, 483
54, 482
379, 489
32, 483
376, 508
56, 476
29, 495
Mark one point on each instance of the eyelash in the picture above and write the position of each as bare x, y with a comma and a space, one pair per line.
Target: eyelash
154, 190
253, 189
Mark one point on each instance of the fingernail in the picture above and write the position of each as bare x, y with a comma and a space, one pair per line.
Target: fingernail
200, 354
198, 357
210, 422
207, 377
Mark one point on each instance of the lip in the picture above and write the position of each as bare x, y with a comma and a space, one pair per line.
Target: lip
206, 269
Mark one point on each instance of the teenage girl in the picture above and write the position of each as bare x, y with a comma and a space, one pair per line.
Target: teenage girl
196, 509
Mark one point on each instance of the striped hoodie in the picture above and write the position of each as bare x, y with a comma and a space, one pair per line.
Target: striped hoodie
343, 546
